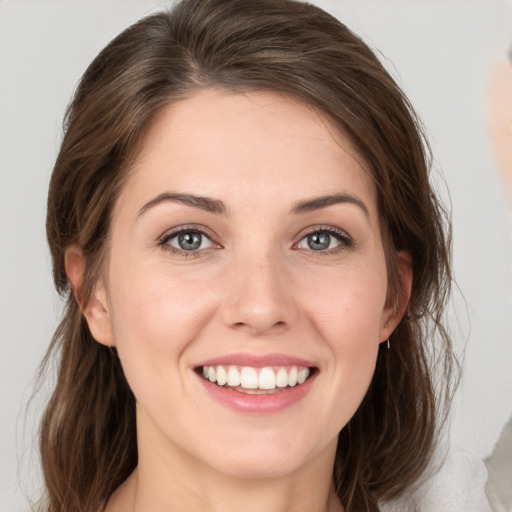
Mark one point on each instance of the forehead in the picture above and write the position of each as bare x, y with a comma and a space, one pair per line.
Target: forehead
257, 144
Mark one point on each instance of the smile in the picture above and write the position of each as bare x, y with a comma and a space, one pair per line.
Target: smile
254, 380
257, 384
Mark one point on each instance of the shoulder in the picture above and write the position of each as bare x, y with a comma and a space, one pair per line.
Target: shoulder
459, 485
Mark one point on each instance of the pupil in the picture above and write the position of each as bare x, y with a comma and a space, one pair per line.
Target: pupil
189, 241
319, 241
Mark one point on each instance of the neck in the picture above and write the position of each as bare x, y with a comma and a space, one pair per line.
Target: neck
249, 496
167, 482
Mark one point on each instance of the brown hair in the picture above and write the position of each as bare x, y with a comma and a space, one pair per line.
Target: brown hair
88, 438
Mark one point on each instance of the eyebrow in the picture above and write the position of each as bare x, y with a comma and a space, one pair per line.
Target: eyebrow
202, 203
218, 207
317, 203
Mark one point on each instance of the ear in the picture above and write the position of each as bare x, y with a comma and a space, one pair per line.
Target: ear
96, 310
393, 312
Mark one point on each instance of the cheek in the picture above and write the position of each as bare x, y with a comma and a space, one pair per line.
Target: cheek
154, 319
350, 311
349, 318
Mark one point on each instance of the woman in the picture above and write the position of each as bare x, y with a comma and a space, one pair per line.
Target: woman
256, 268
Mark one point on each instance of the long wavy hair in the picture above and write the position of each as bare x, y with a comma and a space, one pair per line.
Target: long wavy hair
88, 435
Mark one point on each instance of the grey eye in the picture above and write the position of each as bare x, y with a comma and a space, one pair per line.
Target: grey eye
319, 241
190, 241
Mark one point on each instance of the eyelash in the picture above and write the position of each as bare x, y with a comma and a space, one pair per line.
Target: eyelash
163, 241
346, 242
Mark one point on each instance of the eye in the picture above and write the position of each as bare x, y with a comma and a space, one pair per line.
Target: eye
188, 240
325, 240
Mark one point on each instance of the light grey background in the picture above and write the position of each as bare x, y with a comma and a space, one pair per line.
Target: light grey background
441, 52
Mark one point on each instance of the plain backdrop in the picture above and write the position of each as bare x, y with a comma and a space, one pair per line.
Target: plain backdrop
441, 53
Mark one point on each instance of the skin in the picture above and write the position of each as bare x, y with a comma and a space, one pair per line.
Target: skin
256, 288
500, 119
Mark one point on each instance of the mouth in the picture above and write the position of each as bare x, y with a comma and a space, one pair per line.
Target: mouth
256, 380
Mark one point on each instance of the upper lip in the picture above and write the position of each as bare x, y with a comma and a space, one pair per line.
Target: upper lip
257, 360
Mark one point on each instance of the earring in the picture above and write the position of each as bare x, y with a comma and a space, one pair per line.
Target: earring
388, 344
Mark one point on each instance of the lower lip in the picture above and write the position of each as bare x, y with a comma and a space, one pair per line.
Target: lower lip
258, 403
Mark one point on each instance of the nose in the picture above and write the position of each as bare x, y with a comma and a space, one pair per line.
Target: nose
259, 296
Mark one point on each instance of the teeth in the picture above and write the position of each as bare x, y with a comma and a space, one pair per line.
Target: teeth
249, 378
222, 376
292, 376
267, 379
301, 377
233, 377
282, 378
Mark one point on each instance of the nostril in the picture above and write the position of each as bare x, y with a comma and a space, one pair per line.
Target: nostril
239, 325
278, 326
247, 325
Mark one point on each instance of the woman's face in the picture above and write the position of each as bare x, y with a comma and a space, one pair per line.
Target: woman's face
245, 247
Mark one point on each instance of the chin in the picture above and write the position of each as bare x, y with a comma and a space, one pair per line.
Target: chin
268, 456
260, 467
